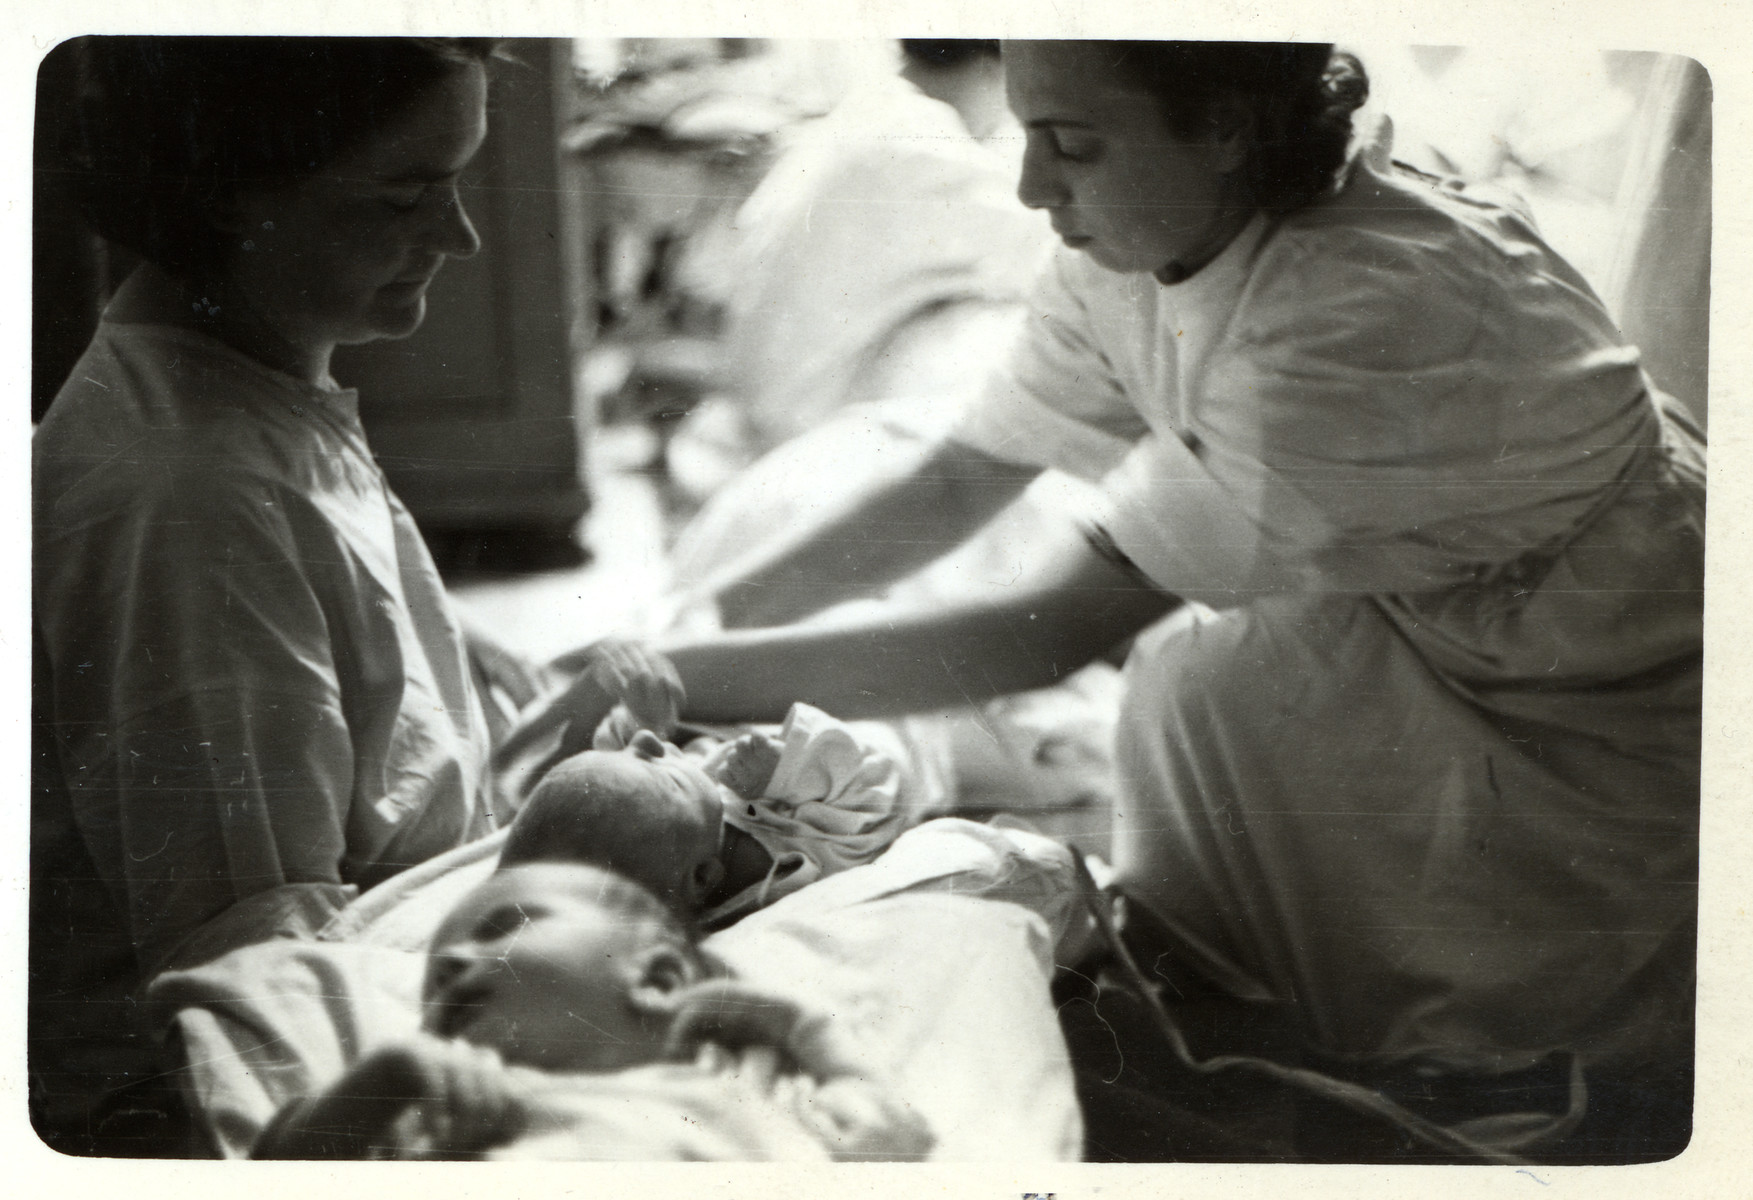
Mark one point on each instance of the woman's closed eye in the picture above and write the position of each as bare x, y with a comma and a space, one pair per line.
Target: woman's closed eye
405, 197
1075, 145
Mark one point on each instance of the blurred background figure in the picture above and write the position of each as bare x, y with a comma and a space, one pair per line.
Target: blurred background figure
879, 267
885, 254
880, 254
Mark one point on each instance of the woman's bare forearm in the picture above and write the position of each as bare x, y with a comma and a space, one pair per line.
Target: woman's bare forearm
875, 539
1075, 607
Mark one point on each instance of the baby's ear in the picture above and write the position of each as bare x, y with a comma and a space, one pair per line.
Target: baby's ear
663, 973
707, 874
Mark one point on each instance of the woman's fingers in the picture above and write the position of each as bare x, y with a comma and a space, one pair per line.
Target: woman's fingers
610, 673
632, 673
642, 679
617, 729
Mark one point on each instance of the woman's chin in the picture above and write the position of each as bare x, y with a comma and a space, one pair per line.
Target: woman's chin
1121, 260
389, 320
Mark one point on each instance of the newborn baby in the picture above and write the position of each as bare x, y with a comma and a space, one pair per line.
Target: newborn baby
647, 811
723, 828
570, 1014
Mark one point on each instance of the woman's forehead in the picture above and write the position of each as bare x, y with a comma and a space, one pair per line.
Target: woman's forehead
1072, 83
432, 138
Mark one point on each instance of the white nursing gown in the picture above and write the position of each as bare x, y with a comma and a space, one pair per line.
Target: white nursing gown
255, 678
1430, 772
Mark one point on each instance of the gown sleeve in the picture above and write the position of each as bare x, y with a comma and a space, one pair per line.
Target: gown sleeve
1387, 414
1057, 401
206, 743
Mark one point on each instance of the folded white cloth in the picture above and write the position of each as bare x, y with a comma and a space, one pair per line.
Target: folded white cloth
841, 794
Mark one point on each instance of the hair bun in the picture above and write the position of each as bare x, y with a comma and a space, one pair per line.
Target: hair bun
1301, 94
1344, 83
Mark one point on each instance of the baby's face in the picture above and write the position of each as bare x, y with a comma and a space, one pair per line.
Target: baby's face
537, 965
689, 808
678, 776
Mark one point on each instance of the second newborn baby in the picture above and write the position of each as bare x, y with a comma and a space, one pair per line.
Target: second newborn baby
719, 834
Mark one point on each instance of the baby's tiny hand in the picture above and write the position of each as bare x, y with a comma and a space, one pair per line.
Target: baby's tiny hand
467, 1101
737, 1016
731, 1014
747, 767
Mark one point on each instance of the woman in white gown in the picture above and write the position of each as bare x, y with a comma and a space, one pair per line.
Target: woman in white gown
1422, 770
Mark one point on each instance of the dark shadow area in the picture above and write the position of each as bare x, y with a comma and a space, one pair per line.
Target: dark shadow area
1143, 1102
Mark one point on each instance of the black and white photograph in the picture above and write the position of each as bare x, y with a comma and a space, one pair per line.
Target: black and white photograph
1094, 603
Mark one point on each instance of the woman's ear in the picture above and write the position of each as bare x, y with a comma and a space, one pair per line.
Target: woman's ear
225, 211
1232, 126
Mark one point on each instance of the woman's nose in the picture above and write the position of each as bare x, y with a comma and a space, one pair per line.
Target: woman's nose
1040, 185
452, 233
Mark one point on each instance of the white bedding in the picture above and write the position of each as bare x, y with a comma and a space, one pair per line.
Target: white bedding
938, 955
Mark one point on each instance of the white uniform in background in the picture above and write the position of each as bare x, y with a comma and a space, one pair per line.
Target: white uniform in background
882, 214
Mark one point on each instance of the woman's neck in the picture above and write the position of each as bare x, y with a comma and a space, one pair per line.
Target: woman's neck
1225, 228
152, 295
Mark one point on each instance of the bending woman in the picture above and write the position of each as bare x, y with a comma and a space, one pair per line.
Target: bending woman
1425, 773
259, 695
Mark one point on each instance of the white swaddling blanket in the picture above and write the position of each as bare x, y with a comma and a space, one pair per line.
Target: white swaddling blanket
916, 952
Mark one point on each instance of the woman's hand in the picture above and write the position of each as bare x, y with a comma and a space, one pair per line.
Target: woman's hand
607, 673
634, 674
616, 730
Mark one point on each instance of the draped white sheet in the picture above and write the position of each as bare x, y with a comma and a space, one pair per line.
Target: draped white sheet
938, 955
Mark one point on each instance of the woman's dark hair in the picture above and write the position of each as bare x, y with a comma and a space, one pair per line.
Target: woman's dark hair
948, 52
169, 128
1301, 95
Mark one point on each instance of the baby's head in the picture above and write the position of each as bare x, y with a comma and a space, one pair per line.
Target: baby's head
647, 811
561, 966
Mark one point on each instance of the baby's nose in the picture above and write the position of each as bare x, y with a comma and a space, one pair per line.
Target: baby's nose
444, 969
